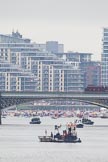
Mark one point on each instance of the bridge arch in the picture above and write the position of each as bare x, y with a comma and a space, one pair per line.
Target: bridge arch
14, 98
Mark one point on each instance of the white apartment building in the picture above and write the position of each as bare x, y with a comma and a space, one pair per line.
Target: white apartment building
13, 78
52, 72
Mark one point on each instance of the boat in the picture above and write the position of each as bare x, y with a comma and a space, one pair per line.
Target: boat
87, 121
69, 139
35, 121
104, 115
54, 117
79, 124
69, 136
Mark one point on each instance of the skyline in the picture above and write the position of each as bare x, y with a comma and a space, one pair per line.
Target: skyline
75, 23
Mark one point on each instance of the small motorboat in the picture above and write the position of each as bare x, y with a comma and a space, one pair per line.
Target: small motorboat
87, 121
104, 115
35, 121
79, 124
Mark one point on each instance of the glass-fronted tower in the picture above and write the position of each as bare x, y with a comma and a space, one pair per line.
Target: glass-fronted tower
104, 58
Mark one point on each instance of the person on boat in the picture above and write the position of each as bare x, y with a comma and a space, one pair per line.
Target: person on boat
74, 128
57, 135
64, 133
51, 135
57, 126
69, 128
45, 132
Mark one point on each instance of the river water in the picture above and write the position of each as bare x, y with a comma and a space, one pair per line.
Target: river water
19, 142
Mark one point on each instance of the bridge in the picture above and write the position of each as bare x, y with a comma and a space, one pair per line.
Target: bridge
8, 99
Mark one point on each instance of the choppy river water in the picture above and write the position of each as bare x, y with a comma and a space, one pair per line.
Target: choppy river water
19, 142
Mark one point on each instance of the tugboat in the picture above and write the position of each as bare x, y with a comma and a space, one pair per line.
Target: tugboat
68, 136
35, 121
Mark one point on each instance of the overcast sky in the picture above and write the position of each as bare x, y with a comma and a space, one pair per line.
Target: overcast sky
78, 24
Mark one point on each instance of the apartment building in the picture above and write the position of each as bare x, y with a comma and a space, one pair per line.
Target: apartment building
104, 58
52, 70
13, 78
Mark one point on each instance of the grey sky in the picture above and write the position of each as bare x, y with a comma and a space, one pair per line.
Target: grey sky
75, 23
